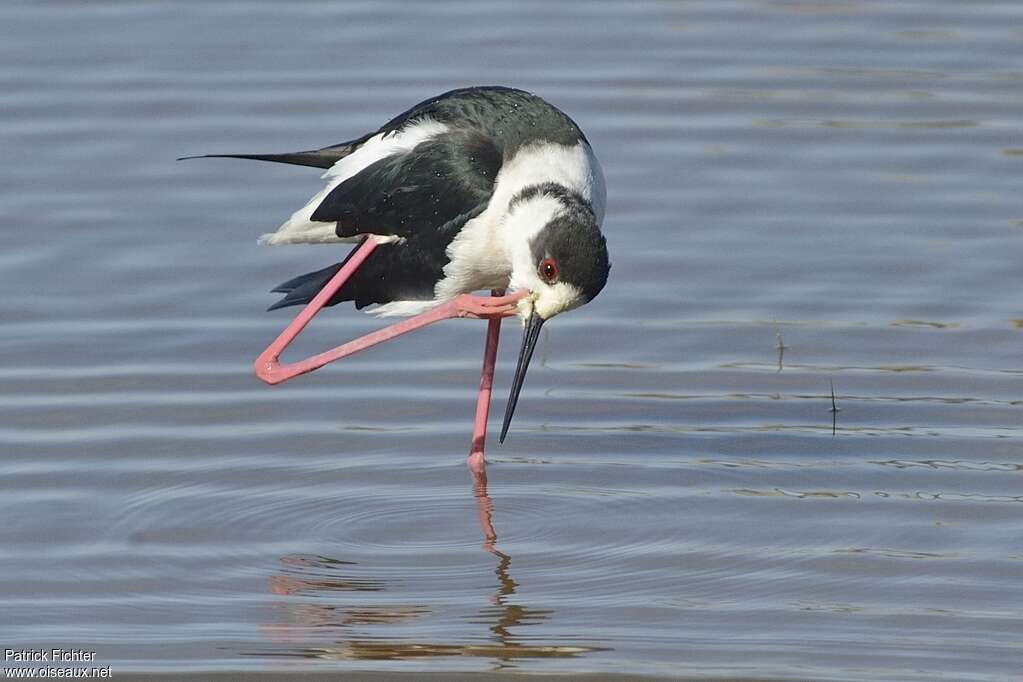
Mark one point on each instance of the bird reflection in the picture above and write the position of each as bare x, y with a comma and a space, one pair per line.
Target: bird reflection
781, 348
310, 581
502, 615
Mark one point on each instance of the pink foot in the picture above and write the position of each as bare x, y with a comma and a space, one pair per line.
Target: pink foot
468, 305
477, 465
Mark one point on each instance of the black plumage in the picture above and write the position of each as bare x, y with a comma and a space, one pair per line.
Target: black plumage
425, 195
417, 191
509, 116
405, 271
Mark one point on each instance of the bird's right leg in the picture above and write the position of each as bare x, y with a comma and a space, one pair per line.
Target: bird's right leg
476, 461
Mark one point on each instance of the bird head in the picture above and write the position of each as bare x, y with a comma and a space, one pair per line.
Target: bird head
560, 259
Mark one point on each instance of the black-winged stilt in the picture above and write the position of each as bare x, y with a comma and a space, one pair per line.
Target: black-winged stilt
477, 188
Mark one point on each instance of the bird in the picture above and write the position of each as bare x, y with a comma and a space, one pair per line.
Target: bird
484, 187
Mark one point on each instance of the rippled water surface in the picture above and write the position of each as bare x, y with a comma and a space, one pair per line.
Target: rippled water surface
801, 195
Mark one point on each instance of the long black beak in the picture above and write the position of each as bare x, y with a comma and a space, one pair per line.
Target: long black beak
529, 336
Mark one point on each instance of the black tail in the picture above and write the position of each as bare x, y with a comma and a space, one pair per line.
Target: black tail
317, 158
302, 289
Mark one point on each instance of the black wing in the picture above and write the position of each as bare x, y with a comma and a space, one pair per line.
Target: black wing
426, 196
402, 271
416, 191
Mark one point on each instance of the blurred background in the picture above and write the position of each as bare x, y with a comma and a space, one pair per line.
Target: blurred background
802, 195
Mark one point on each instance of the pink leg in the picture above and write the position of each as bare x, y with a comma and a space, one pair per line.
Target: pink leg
269, 368
476, 461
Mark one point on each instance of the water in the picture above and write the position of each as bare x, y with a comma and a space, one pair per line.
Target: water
837, 178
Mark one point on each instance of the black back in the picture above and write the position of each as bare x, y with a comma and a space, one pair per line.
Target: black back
510, 117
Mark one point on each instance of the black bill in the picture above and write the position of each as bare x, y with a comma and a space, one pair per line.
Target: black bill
529, 336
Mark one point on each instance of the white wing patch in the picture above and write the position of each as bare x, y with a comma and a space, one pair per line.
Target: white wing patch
301, 229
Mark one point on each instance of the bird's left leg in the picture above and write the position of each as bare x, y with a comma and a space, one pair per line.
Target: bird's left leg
269, 368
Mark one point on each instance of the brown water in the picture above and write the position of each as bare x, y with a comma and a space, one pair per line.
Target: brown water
838, 178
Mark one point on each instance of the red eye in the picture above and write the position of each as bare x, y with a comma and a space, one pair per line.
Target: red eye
548, 270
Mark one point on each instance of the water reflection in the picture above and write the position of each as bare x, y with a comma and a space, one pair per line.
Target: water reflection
781, 348
305, 575
504, 614
835, 409
328, 594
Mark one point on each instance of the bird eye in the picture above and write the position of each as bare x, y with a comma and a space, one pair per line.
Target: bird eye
548, 270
